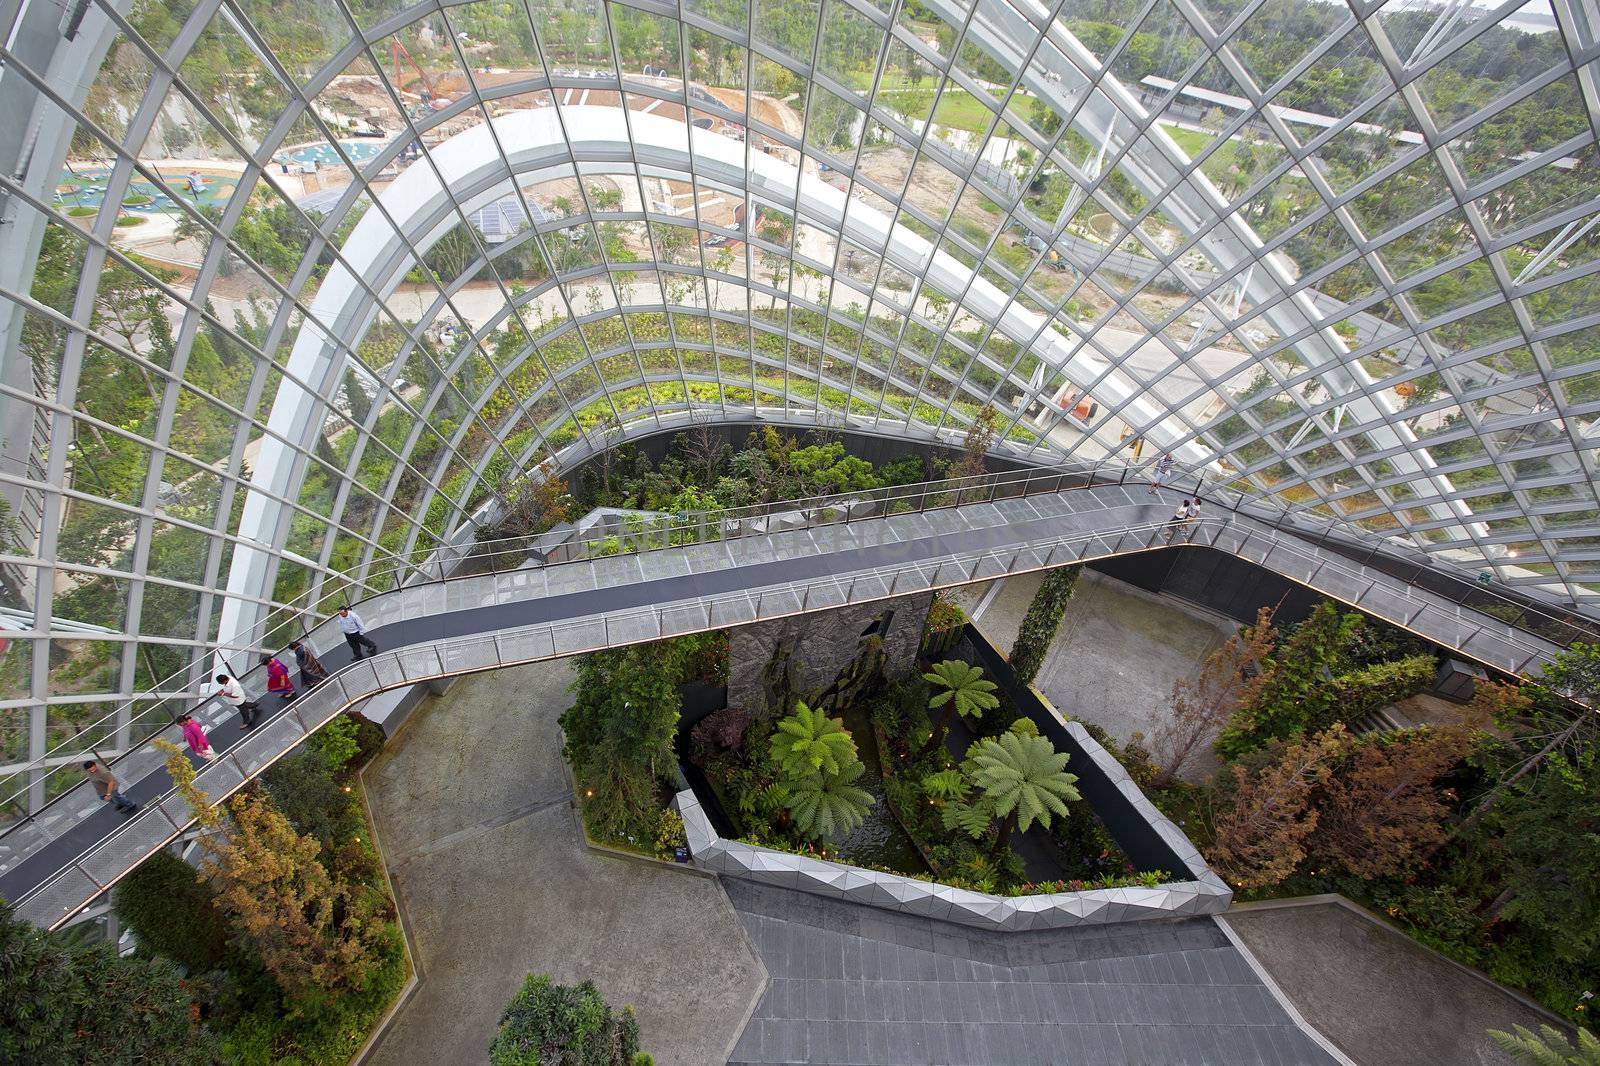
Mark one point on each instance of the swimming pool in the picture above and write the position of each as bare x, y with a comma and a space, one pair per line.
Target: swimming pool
324, 154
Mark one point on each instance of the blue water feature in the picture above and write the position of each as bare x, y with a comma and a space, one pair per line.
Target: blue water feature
324, 154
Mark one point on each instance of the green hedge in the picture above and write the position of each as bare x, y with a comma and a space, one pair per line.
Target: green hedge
1363, 691
172, 912
1043, 619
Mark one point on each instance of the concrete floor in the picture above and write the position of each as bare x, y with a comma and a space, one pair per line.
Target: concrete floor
1378, 995
474, 817
1117, 654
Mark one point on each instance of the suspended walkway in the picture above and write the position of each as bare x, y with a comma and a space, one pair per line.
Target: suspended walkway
713, 571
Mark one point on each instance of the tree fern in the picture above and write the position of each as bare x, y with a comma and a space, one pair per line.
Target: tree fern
828, 806
1023, 780
809, 742
963, 690
1549, 1047
965, 684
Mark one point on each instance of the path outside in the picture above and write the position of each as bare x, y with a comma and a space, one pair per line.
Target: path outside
473, 813
1117, 653
1379, 996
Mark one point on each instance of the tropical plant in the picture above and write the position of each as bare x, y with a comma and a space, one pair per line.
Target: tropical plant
85, 1004
1023, 780
547, 1024
829, 806
1548, 1047
1039, 625
1295, 688
949, 784
963, 690
808, 742
1202, 705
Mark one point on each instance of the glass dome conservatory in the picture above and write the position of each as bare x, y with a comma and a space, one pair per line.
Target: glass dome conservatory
290, 287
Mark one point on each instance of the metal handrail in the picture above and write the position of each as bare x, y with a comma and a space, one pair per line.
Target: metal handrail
701, 526
651, 537
708, 606
1532, 616
751, 609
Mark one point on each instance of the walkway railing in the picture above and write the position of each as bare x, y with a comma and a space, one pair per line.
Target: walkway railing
161, 703
158, 707
98, 866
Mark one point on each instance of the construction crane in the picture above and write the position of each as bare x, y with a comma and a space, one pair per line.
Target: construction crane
430, 99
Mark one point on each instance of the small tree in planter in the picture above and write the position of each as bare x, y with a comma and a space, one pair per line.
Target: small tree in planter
829, 806
817, 769
809, 742
964, 691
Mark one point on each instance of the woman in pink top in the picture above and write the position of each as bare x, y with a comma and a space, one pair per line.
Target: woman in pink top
278, 677
195, 736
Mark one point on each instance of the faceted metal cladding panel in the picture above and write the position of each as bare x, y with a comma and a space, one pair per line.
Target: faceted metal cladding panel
1204, 893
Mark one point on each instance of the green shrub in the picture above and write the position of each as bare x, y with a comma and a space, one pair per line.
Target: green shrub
669, 834
1296, 686
173, 912
1039, 625
549, 1023
1363, 691
81, 211
336, 743
131, 220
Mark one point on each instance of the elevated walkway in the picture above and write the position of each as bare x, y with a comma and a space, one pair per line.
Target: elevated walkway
63, 856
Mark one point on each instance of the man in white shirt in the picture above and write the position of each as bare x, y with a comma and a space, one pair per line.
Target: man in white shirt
1163, 471
355, 633
232, 693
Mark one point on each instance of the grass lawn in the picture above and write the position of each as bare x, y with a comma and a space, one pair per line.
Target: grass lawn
958, 109
1193, 142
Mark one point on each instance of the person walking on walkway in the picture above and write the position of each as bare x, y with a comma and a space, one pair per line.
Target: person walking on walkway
1163, 471
1191, 516
233, 695
194, 735
105, 783
355, 633
1179, 517
278, 677
311, 669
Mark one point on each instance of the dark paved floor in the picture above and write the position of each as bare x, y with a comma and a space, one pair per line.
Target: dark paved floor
855, 985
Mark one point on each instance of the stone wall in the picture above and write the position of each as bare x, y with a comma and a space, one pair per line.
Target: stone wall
817, 650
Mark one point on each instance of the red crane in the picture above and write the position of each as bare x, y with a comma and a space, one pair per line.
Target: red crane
396, 50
